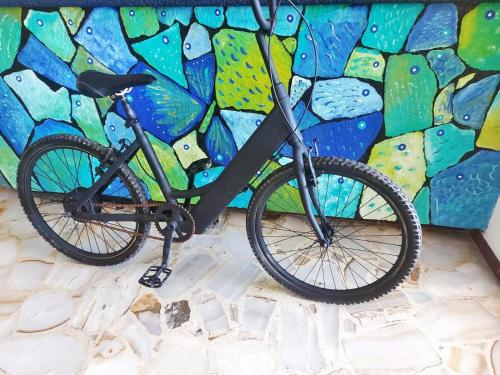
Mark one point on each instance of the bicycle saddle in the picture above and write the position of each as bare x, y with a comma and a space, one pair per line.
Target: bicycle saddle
98, 85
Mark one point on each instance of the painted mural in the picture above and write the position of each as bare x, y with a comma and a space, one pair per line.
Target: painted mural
411, 89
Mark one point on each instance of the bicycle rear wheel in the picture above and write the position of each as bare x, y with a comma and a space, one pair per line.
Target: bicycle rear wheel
376, 233
55, 171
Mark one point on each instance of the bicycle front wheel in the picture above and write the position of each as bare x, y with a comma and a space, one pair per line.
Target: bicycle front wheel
376, 233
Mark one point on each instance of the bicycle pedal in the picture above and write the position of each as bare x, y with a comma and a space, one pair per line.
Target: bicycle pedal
155, 276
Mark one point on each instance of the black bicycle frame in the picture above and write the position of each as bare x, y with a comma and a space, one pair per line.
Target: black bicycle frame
278, 127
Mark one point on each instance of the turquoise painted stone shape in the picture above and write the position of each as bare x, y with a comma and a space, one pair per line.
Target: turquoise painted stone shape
389, 25
168, 15
115, 129
422, 205
212, 17
242, 124
336, 29
298, 87
197, 42
85, 61
410, 88
445, 64
305, 118
471, 103
445, 145
101, 36
436, 28
49, 28
52, 127
465, 195
139, 21
41, 101
164, 53
8, 163
16, 124
84, 112
344, 97
10, 36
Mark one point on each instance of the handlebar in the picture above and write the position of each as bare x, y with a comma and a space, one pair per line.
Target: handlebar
257, 11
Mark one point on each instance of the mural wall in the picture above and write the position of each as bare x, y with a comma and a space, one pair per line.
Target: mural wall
410, 89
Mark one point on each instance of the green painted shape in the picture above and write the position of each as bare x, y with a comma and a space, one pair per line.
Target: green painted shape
187, 149
104, 105
479, 40
365, 63
490, 132
8, 163
41, 102
389, 25
442, 105
139, 21
263, 173
242, 81
10, 36
402, 160
285, 199
85, 61
49, 28
290, 44
164, 53
445, 145
86, 116
410, 88
171, 166
73, 17
207, 119
422, 205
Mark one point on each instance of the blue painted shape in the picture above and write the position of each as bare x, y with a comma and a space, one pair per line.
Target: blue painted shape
336, 29
168, 15
52, 127
102, 36
344, 97
471, 103
446, 65
465, 195
200, 74
115, 129
212, 17
304, 117
39, 58
197, 42
164, 53
436, 28
210, 175
164, 108
16, 124
242, 124
348, 139
219, 143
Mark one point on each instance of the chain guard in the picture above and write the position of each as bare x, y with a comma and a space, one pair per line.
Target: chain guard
185, 229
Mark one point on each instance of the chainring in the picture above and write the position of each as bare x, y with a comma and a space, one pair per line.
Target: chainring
185, 229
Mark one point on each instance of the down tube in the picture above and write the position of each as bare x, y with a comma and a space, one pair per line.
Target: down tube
255, 152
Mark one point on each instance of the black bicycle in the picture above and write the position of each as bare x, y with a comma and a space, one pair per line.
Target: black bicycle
329, 229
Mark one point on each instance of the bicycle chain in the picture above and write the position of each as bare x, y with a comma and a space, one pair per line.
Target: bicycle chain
150, 204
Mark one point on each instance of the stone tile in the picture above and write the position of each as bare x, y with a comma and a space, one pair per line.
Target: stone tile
147, 302
391, 350
256, 314
8, 250
457, 320
299, 340
44, 310
6, 326
35, 249
138, 340
214, 317
43, 355
495, 357
107, 300
20, 230
173, 357
446, 249
108, 346
466, 361
123, 365
151, 321
242, 358
28, 275
70, 276
329, 320
186, 274
177, 313
233, 279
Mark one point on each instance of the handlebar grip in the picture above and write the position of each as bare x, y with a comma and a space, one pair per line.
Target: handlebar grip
259, 16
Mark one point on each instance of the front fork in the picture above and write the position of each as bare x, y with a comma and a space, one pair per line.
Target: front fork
307, 181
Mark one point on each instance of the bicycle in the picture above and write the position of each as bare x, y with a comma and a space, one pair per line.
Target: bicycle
329, 229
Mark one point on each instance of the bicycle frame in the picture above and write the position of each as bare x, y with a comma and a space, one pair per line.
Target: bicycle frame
278, 127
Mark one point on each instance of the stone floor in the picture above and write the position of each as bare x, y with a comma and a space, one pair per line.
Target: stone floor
219, 313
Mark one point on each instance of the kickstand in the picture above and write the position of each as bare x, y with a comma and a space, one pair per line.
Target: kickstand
155, 276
